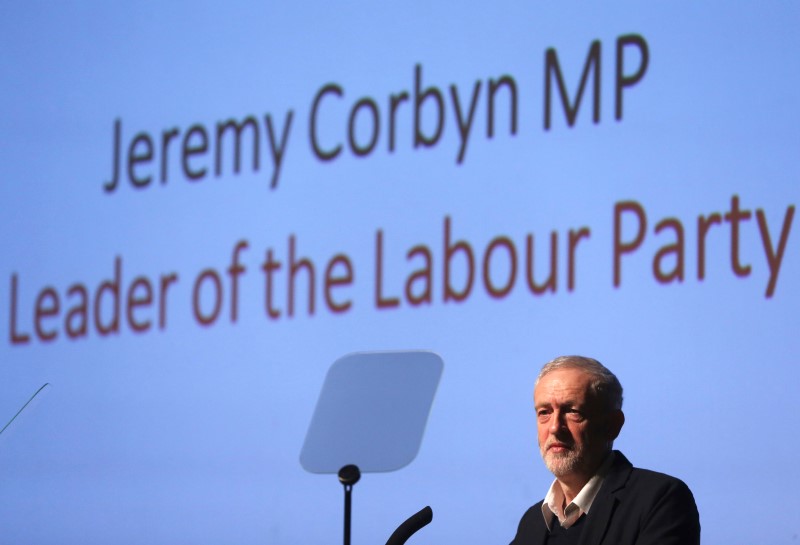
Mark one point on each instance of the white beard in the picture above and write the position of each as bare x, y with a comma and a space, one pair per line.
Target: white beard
564, 463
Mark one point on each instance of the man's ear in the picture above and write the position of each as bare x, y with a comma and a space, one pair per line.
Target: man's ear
615, 423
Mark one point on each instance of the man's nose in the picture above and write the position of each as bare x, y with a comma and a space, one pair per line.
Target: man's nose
556, 423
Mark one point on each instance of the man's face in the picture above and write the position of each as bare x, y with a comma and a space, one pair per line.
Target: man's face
574, 434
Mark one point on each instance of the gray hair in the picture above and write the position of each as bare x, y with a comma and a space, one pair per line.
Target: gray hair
605, 386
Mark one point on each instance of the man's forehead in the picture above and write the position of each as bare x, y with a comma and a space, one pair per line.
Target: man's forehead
563, 386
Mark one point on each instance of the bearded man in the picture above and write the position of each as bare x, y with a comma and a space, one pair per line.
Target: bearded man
598, 497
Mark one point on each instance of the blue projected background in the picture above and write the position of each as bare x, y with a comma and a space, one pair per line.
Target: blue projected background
205, 206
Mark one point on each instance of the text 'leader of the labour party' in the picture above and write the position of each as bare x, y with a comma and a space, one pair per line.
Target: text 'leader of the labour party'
598, 497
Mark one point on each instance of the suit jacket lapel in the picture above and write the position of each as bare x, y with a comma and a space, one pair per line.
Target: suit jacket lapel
539, 536
606, 501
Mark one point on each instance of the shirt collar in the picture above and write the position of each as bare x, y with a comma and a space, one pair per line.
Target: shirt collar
551, 507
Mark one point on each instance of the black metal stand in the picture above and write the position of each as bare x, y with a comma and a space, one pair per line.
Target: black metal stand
348, 476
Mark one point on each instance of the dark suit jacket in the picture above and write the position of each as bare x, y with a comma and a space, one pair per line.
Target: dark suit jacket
633, 507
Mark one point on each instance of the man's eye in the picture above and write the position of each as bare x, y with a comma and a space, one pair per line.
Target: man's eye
542, 415
575, 416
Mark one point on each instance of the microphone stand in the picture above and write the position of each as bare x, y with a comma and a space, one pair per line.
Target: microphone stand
350, 475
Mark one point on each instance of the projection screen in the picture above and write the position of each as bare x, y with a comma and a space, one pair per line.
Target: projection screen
206, 204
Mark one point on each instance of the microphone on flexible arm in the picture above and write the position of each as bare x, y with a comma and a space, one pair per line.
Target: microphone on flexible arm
410, 526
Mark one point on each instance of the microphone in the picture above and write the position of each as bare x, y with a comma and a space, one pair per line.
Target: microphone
410, 526
36, 393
